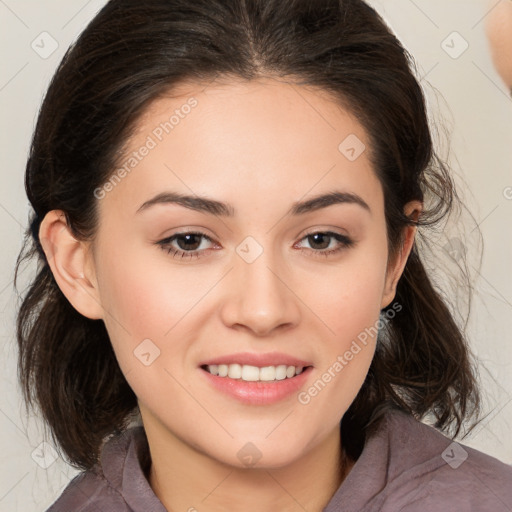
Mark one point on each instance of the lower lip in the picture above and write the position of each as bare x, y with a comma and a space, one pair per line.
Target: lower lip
258, 393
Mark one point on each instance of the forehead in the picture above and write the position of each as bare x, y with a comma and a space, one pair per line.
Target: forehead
239, 138
275, 102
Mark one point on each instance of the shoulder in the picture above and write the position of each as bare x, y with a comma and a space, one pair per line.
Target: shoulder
89, 492
117, 483
409, 466
429, 471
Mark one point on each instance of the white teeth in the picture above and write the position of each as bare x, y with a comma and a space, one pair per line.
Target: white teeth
281, 372
250, 373
268, 373
234, 371
254, 373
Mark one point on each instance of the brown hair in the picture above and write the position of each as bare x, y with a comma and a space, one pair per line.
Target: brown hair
131, 53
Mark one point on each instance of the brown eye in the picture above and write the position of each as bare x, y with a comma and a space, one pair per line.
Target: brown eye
322, 240
184, 244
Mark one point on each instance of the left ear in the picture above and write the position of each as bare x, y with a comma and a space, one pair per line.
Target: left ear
396, 267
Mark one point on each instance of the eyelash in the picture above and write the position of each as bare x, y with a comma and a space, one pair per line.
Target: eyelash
344, 241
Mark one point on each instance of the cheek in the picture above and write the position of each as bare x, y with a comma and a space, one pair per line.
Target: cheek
144, 292
348, 296
351, 310
142, 305
144, 328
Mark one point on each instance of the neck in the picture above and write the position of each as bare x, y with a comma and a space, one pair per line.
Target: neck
184, 478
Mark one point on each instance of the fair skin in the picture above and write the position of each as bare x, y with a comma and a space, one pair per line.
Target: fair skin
259, 146
499, 33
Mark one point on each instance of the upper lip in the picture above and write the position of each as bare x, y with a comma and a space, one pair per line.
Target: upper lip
252, 359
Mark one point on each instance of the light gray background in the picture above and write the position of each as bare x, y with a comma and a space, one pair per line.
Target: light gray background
465, 93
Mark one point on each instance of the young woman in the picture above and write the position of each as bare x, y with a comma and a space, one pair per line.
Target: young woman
226, 198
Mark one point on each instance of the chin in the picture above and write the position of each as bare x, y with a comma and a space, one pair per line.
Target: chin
258, 455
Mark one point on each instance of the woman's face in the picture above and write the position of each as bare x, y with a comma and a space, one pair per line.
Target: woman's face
256, 287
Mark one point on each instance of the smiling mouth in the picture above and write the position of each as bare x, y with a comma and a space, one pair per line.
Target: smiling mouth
250, 373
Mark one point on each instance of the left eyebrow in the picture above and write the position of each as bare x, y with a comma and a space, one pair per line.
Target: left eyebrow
325, 200
212, 206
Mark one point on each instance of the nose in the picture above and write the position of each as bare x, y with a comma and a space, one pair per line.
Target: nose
260, 299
